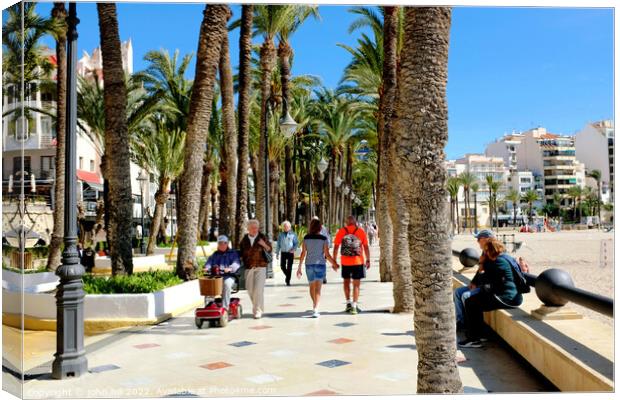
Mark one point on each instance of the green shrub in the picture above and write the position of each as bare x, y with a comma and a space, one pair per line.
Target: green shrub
140, 282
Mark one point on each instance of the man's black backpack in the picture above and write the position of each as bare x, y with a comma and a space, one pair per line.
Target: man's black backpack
519, 278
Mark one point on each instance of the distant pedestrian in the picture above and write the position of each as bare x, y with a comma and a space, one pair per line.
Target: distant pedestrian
370, 231
255, 251
352, 243
286, 246
315, 252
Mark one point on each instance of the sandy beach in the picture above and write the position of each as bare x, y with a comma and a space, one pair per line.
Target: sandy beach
581, 253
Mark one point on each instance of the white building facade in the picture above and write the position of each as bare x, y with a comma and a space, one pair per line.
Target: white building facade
594, 147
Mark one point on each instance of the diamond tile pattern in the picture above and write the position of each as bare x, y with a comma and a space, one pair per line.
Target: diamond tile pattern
345, 324
242, 343
216, 365
146, 345
261, 327
103, 368
341, 341
333, 363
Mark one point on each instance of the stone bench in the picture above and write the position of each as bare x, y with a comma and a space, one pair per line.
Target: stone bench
575, 355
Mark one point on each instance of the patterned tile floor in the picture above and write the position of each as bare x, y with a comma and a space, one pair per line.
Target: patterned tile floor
282, 354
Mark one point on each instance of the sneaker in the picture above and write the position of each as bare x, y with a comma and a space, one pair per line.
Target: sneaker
349, 308
354, 310
470, 343
358, 310
316, 314
258, 315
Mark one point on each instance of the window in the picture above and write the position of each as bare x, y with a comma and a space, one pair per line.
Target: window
526, 180
17, 164
47, 163
47, 96
81, 164
92, 165
46, 125
523, 189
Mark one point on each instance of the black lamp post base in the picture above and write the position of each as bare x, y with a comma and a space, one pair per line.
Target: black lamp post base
69, 366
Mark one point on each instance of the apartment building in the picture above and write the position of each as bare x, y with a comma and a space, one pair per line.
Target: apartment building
506, 148
552, 157
594, 147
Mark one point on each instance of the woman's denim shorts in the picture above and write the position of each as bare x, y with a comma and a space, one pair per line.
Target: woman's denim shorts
315, 272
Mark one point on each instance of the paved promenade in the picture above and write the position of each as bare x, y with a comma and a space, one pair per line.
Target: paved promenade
283, 354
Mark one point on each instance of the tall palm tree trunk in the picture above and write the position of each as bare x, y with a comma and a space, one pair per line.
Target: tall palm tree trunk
203, 212
53, 261
284, 54
243, 115
212, 31
402, 288
229, 174
117, 138
161, 197
267, 64
421, 129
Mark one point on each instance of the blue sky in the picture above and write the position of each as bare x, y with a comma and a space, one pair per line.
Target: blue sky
509, 69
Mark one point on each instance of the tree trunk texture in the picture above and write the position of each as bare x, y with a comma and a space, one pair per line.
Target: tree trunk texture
267, 64
161, 197
243, 111
421, 129
402, 287
284, 54
116, 138
59, 13
229, 178
203, 213
212, 31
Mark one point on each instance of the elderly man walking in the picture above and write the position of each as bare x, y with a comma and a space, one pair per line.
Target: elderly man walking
255, 251
285, 248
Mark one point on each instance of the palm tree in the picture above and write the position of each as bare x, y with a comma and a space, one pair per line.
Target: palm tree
228, 164
164, 81
243, 115
575, 192
489, 181
474, 188
285, 52
158, 149
467, 179
453, 186
397, 217
513, 196
596, 175
495, 187
59, 14
212, 31
116, 167
420, 160
530, 197
268, 21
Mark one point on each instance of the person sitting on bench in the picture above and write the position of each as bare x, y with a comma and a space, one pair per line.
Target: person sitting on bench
224, 262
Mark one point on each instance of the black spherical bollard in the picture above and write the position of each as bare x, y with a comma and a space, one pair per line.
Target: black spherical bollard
544, 286
469, 257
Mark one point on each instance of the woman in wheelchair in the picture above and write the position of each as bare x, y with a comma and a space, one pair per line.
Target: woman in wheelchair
224, 262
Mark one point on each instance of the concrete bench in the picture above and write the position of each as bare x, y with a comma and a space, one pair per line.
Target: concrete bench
575, 355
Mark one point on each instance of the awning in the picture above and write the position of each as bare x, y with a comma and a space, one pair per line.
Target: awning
91, 178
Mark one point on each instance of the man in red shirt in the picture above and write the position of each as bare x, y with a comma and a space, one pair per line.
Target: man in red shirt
350, 240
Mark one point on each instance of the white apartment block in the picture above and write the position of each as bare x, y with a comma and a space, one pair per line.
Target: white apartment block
553, 158
594, 146
506, 148
480, 166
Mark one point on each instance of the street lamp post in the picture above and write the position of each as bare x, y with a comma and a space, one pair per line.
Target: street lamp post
141, 179
288, 126
322, 167
70, 359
